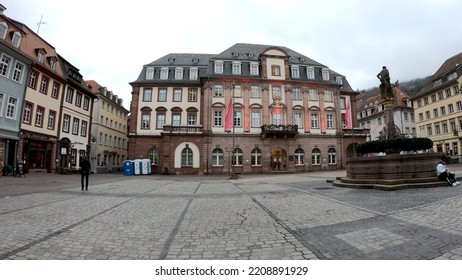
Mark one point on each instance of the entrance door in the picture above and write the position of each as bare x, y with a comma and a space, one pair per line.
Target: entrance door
278, 159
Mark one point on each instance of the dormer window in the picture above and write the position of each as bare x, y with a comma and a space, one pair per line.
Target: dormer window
301, 58
16, 39
193, 73
195, 60
254, 68
310, 72
251, 54
235, 54
149, 73
452, 76
164, 73
3, 30
236, 68
325, 74
437, 83
52, 61
295, 71
178, 73
339, 80
171, 59
218, 68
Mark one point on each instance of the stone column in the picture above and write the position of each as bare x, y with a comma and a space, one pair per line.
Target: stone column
389, 103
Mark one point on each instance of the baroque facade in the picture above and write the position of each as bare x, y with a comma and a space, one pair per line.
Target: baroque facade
438, 108
250, 109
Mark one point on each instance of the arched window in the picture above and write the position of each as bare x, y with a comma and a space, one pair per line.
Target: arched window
237, 157
187, 157
332, 155
256, 157
299, 156
316, 157
3, 30
153, 155
217, 157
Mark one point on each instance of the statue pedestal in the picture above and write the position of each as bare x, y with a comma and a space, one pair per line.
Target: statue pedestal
392, 172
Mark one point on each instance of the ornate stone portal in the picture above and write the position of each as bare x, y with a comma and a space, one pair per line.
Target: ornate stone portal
394, 170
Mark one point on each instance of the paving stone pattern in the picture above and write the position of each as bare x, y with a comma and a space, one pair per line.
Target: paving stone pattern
268, 217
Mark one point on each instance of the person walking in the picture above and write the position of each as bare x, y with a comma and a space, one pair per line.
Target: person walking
85, 169
445, 175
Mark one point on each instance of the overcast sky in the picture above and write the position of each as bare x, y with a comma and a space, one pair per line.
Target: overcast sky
110, 41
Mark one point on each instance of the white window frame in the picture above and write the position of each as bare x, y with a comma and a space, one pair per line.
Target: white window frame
164, 73
193, 73
295, 71
218, 91
254, 69
314, 121
296, 93
18, 72
3, 30
236, 67
325, 74
147, 94
310, 73
149, 73
11, 108
330, 121
177, 94
255, 118
16, 40
51, 119
298, 118
313, 95
5, 65
218, 67
179, 73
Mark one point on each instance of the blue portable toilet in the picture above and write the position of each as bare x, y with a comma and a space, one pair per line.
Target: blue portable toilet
128, 168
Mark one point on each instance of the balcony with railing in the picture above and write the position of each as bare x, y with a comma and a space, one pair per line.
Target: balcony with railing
175, 129
279, 131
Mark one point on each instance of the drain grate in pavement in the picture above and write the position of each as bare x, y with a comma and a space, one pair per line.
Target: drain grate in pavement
323, 188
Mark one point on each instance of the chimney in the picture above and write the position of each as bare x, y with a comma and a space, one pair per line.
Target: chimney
2, 9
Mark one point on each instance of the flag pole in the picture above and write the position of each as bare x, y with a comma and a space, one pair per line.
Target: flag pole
233, 175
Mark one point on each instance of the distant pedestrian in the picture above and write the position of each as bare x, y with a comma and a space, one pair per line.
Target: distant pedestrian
445, 175
85, 169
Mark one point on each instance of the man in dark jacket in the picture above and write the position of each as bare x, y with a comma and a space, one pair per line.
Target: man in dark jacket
85, 169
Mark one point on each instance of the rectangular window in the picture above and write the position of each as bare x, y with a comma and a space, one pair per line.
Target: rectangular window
295, 72
443, 111
459, 106
83, 129
237, 91
178, 73
296, 94
86, 103
55, 90
145, 123
254, 69
451, 108
218, 91
237, 118
51, 120
275, 70
193, 74
69, 95
440, 95
176, 119
330, 121
298, 119
164, 73
5, 65
162, 95
218, 67
33, 79
328, 96
75, 126
192, 95
435, 113
26, 117
427, 115
44, 85
149, 73
39, 116
448, 92
11, 108
276, 91
177, 95
78, 99
445, 128
314, 121
325, 74
437, 129
218, 118
18, 72
191, 119
255, 92
255, 115
160, 121
314, 95
236, 68
147, 95
433, 98
310, 73
66, 123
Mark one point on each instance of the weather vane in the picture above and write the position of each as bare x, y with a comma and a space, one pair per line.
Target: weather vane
40, 23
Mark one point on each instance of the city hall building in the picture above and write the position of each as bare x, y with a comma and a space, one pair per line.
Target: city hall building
249, 109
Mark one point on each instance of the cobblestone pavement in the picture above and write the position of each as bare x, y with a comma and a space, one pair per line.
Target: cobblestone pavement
265, 217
